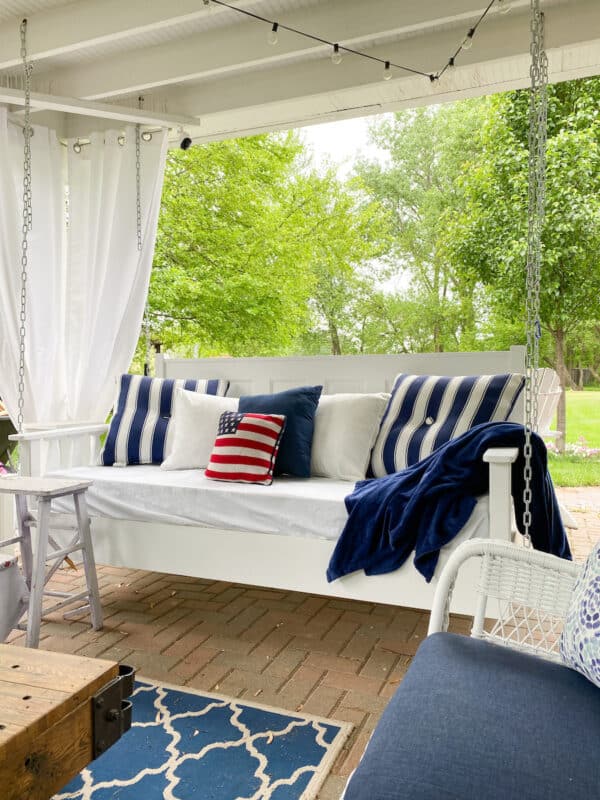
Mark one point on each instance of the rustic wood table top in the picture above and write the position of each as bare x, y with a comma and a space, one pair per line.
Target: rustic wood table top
46, 721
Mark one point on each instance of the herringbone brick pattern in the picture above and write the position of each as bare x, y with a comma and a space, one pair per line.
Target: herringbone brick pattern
335, 658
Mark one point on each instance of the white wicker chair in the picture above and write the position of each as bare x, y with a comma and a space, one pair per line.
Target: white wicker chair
523, 595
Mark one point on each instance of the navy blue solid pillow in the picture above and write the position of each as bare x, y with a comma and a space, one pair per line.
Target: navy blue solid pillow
299, 406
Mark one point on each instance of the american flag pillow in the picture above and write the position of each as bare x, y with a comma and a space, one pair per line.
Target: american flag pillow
246, 447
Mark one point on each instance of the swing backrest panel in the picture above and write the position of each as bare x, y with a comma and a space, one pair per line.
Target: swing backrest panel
341, 374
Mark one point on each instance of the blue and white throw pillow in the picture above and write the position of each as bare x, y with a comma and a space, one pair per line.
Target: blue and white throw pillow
426, 411
139, 429
580, 639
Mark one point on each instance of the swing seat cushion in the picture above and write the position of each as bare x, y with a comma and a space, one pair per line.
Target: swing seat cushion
475, 721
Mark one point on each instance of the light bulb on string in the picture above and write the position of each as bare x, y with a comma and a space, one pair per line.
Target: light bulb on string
336, 55
504, 6
468, 40
387, 71
273, 36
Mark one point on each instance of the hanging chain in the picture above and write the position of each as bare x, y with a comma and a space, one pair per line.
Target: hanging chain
138, 178
138, 188
27, 222
538, 121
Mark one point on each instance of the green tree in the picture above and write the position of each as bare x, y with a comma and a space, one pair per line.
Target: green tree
488, 232
428, 149
257, 253
232, 264
349, 237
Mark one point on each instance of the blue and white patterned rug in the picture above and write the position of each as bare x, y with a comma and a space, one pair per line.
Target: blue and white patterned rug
187, 745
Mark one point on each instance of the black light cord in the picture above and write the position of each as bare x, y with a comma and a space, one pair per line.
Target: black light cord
280, 26
471, 33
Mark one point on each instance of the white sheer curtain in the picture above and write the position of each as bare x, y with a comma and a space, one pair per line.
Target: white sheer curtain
87, 281
44, 380
106, 299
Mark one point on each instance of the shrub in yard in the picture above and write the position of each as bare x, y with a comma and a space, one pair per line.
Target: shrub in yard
579, 448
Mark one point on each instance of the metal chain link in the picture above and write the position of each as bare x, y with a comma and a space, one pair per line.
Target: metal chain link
138, 186
27, 222
538, 122
138, 178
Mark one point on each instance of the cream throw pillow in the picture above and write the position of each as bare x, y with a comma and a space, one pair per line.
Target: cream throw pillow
346, 426
195, 420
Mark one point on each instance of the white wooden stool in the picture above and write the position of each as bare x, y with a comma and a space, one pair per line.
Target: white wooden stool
44, 490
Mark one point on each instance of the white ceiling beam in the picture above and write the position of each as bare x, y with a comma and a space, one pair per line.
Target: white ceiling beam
502, 39
320, 76
355, 102
65, 29
87, 108
223, 51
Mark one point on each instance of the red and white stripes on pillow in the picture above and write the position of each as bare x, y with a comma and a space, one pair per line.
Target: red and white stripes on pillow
246, 448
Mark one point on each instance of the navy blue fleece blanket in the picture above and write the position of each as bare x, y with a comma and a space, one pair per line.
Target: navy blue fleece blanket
422, 508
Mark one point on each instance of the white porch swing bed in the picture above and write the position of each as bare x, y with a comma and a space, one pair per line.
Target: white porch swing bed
280, 536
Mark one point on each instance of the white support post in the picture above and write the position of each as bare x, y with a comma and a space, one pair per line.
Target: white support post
500, 460
25, 458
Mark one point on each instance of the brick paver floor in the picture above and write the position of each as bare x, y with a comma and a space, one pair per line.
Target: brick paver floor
335, 658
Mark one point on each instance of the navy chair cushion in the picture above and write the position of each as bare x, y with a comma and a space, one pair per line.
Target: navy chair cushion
476, 721
299, 407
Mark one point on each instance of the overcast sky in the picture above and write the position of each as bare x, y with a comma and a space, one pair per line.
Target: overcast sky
341, 143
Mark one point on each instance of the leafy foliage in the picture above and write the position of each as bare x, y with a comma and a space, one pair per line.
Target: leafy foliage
256, 253
232, 264
489, 235
435, 307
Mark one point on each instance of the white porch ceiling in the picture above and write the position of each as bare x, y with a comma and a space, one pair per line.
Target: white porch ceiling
213, 70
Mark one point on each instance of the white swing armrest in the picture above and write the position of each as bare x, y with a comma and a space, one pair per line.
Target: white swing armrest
48, 434
45, 450
500, 460
501, 455
526, 592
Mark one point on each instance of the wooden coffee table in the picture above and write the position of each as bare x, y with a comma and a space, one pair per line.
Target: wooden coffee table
57, 713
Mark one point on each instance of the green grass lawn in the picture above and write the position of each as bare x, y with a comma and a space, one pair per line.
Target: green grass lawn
583, 417
583, 422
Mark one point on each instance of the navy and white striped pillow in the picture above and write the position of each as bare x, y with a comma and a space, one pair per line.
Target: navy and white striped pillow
139, 429
426, 411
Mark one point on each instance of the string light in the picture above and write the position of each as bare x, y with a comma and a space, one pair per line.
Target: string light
337, 50
273, 37
468, 40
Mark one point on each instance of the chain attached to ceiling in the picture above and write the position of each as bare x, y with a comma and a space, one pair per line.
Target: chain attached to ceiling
27, 221
538, 124
138, 200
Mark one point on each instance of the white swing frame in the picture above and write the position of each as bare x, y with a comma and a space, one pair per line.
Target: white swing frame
266, 559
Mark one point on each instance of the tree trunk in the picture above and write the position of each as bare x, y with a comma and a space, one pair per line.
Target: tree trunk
336, 348
561, 368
